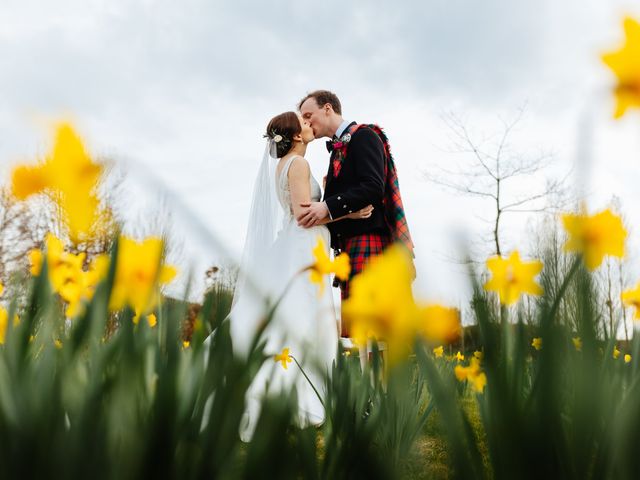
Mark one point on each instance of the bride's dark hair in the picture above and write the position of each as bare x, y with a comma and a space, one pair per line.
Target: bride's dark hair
281, 130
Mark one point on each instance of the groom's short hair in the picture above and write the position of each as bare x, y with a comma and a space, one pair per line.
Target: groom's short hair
322, 97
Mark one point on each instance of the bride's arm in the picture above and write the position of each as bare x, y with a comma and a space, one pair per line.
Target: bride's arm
299, 185
359, 215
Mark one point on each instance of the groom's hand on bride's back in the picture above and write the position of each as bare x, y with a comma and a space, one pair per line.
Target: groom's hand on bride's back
312, 214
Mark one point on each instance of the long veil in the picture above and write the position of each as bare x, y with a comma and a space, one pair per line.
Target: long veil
254, 286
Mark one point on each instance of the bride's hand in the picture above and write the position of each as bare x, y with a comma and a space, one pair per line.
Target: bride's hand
362, 213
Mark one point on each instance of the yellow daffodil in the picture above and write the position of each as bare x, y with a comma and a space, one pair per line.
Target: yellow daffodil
438, 352
473, 373
478, 354
537, 343
67, 275
512, 277
324, 265
381, 306
283, 357
4, 323
616, 352
437, 323
70, 176
577, 343
625, 64
139, 272
627, 358
459, 357
631, 298
595, 236
35, 260
152, 320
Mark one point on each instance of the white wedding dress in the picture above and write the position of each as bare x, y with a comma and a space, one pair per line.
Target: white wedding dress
304, 321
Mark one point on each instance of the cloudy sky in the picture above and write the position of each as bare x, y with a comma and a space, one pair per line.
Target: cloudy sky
179, 93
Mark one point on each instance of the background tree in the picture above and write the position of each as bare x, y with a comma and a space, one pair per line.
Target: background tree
491, 171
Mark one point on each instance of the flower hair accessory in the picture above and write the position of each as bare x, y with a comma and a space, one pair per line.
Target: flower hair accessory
276, 137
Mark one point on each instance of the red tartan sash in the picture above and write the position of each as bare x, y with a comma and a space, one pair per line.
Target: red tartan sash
392, 201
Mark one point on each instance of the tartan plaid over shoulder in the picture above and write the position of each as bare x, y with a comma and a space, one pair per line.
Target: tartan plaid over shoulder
392, 201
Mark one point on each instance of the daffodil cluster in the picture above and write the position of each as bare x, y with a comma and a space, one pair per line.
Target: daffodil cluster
381, 307
69, 277
139, 272
473, 374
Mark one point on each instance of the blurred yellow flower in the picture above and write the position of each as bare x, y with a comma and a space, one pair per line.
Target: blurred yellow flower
512, 277
4, 323
625, 64
152, 320
437, 323
70, 176
459, 356
473, 373
324, 265
67, 275
186, 344
478, 354
631, 298
595, 236
627, 358
537, 343
139, 272
438, 352
35, 259
577, 343
284, 358
381, 306
57, 343
616, 352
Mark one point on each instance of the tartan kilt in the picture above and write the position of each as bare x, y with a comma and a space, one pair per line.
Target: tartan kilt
360, 248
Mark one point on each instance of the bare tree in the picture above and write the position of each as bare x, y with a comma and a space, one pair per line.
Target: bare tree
491, 167
22, 228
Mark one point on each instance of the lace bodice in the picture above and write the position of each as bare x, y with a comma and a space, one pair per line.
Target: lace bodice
284, 194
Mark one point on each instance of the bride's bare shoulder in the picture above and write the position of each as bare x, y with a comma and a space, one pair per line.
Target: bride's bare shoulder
299, 166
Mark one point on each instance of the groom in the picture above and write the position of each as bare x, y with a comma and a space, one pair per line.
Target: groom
361, 172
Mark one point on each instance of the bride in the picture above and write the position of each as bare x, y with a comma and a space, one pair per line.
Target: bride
276, 251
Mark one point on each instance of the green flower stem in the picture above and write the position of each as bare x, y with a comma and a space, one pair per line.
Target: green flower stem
563, 287
309, 380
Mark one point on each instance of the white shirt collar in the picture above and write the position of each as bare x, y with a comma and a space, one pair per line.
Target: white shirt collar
343, 126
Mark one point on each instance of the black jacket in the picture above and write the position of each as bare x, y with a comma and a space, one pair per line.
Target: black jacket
361, 182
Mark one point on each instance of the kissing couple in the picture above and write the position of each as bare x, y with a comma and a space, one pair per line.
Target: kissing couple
359, 213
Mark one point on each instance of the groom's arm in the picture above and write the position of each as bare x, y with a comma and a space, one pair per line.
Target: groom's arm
367, 154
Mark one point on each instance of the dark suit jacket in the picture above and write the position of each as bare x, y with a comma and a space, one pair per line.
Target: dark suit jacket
360, 183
